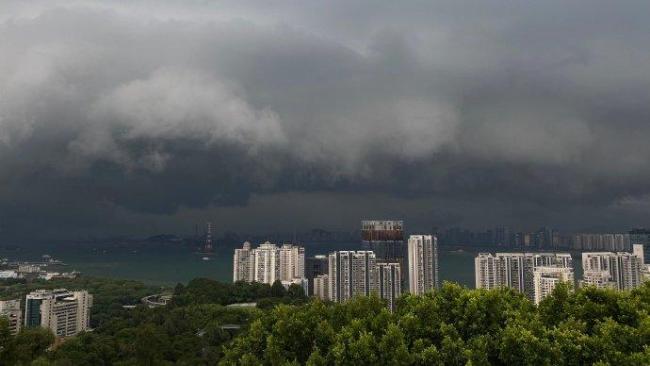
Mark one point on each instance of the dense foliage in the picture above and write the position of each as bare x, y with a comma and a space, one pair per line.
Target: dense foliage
108, 294
452, 326
193, 330
206, 291
455, 326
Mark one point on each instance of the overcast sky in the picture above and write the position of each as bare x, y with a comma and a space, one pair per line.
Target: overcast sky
141, 117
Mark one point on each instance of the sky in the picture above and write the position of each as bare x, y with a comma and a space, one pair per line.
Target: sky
146, 117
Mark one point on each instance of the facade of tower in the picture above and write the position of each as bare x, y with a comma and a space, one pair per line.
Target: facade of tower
515, 270
292, 262
352, 274
390, 278
243, 264
386, 239
423, 263
64, 312
485, 273
624, 269
268, 263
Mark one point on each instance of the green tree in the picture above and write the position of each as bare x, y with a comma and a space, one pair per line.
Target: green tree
278, 290
5, 337
27, 345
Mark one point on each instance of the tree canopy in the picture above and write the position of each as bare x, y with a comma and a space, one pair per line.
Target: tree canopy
450, 326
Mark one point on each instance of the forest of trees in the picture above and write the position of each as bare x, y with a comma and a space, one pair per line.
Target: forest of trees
451, 326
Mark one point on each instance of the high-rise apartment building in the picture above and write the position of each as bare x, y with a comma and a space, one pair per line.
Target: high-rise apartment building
64, 312
423, 263
352, 274
292, 262
321, 287
485, 271
545, 279
268, 263
515, 270
10, 309
390, 279
624, 269
243, 264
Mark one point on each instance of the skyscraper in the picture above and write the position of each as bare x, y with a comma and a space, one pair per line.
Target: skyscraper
65, 313
545, 280
423, 263
390, 278
515, 270
386, 239
352, 274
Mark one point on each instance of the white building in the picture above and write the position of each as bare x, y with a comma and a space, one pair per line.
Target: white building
8, 274
352, 274
515, 270
268, 263
390, 278
624, 269
292, 262
637, 249
545, 280
485, 271
65, 313
423, 263
598, 279
321, 287
29, 268
242, 264
10, 309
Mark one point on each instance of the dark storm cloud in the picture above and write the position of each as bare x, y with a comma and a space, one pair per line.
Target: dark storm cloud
144, 116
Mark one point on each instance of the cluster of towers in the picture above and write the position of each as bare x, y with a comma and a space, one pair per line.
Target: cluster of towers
386, 267
537, 274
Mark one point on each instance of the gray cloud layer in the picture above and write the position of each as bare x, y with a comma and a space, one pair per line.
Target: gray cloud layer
141, 116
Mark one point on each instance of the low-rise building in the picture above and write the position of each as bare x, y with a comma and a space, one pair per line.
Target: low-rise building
321, 287
10, 309
545, 280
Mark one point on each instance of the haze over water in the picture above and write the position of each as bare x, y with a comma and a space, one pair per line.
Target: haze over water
167, 265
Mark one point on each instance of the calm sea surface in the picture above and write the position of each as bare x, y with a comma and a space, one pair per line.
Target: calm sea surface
167, 265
